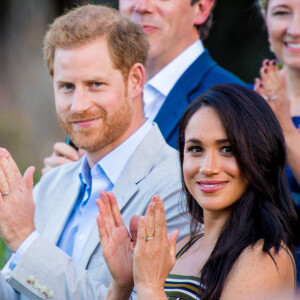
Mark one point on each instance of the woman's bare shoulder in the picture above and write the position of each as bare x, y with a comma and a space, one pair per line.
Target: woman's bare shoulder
255, 275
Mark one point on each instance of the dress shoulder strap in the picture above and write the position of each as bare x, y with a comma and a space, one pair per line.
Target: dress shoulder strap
188, 245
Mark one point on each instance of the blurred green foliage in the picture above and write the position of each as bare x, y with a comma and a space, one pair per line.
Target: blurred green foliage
3, 254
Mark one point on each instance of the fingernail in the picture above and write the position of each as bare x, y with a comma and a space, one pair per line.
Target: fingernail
267, 63
155, 199
4, 153
274, 62
260, 85
265, 70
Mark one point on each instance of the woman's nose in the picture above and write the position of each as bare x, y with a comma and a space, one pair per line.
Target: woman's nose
209, 164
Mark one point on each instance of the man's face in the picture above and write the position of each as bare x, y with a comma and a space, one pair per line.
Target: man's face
91, 98
169, 25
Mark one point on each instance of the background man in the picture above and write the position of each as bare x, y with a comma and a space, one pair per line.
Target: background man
178, 67
95, 58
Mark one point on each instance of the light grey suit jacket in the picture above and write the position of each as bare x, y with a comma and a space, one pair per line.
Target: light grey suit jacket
152, 169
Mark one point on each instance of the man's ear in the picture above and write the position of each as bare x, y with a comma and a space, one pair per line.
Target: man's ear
136, 80
202, 10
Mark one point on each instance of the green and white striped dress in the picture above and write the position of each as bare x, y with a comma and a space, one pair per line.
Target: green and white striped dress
181, 287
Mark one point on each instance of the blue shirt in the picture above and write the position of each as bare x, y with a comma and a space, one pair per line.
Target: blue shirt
101, 176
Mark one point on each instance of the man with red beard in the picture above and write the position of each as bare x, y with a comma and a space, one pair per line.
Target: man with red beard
96, 61
178, 68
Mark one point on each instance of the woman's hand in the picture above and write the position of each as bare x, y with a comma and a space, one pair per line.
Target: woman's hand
154, 254
117, 245
272, 87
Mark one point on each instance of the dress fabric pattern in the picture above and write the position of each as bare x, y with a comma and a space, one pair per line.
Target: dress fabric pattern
182, 287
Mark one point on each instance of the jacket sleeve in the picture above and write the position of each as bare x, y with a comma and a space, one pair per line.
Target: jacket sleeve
6, 291
45, 271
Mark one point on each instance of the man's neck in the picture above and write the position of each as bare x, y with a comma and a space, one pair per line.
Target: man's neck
156, 63
94, 157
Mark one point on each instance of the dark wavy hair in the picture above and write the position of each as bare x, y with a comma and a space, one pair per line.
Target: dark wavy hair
266, 210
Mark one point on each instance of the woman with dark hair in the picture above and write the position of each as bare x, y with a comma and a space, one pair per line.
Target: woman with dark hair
232, 158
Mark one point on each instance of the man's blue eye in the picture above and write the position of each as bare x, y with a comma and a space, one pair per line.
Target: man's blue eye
68, 86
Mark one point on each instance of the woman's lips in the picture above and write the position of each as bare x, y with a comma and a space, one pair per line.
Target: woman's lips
211, 186
293, 47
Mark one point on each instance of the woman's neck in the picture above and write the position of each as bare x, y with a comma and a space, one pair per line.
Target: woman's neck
213, 225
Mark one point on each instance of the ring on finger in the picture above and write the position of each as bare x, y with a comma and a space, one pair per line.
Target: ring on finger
270, 98
5, 194
149, 237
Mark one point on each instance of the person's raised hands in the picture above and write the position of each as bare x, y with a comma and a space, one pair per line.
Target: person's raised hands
154, 254
116, 243
16, 202
272, 87
62, 154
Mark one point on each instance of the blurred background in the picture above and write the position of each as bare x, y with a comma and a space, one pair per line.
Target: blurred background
28, 126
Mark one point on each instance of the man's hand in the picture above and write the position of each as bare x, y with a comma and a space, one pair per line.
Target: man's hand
62, 154
16, 202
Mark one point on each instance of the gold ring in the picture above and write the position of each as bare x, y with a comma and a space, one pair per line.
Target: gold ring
270, 98
149, 237
5, 194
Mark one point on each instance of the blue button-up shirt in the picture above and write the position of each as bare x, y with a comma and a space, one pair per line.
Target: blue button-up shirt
101, 176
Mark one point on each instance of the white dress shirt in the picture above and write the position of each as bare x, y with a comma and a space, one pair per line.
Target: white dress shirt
159, 86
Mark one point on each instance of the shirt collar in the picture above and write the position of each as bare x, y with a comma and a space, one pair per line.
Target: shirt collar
114, 162
166, 78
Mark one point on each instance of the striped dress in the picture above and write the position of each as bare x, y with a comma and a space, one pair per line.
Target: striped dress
181, 287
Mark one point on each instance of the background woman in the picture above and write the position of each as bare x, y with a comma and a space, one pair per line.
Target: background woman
282, 89
232, 156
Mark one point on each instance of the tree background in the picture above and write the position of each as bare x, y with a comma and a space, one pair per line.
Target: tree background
28, 126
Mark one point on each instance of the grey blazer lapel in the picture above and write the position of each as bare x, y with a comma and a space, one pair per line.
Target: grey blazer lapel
58, 218
126, 186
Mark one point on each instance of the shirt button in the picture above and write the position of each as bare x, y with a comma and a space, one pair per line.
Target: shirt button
82, 237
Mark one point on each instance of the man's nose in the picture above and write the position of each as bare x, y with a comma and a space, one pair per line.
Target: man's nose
144, 6
80, 101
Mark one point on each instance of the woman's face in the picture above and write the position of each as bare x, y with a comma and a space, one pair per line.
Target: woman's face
283, 23
210, 170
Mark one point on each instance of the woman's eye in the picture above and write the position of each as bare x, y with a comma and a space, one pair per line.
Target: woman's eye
280, 13
195, 149
227, 149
